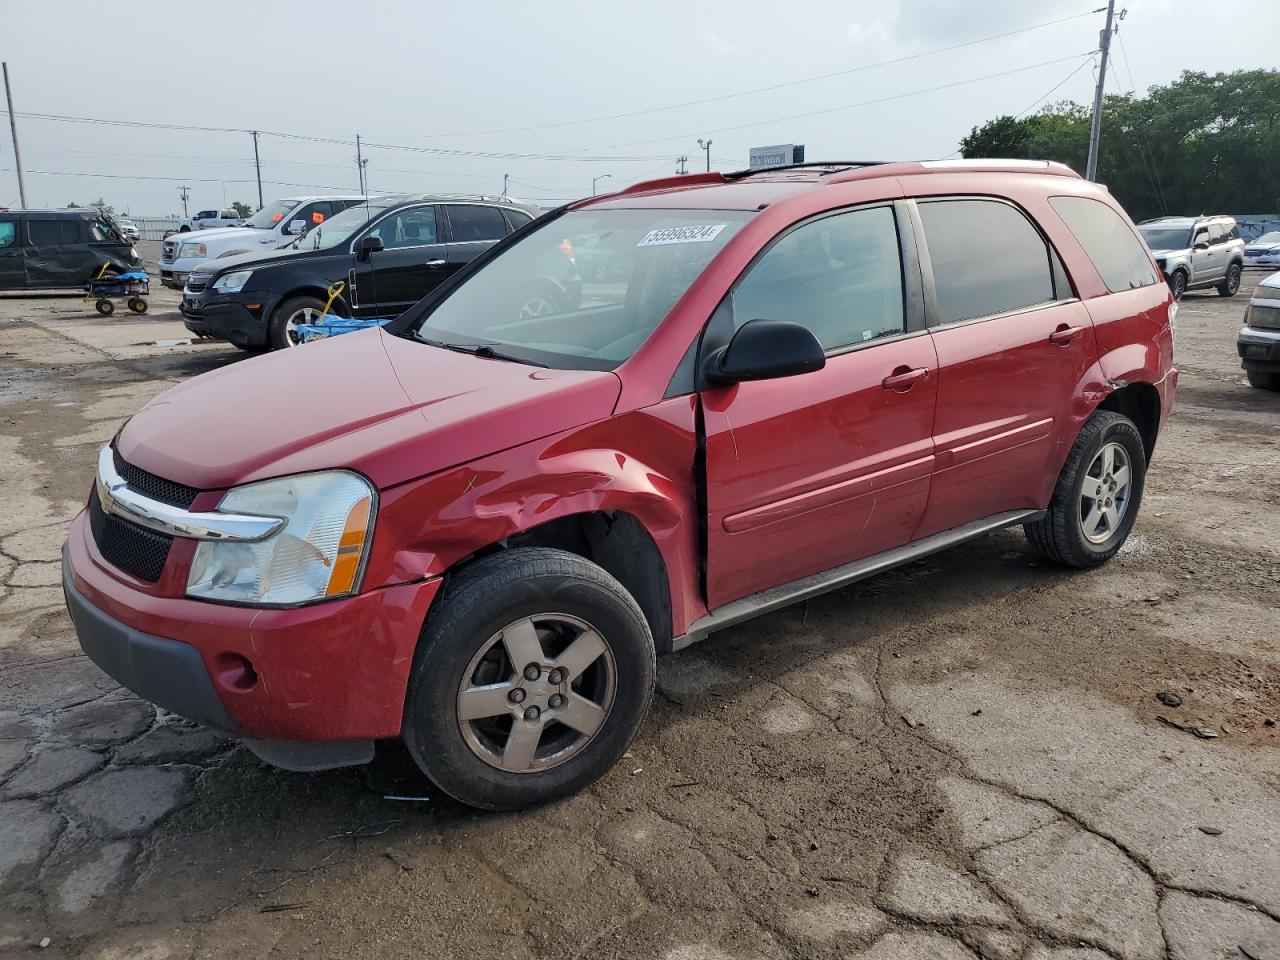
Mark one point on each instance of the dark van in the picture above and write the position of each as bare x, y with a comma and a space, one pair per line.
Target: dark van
51, 249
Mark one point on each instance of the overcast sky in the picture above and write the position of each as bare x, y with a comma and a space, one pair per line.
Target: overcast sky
468, 77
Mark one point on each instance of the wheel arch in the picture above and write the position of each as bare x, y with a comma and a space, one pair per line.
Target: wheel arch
309, 288
1140, 402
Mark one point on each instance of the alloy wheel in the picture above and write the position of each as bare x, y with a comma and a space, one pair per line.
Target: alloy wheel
1104, 497
536, 693
305, 315
536, 306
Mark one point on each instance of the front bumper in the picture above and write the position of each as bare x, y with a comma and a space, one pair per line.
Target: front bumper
306, 688
1259, 349
228, 316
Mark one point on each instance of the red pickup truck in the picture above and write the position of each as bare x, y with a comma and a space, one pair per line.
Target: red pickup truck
474, 528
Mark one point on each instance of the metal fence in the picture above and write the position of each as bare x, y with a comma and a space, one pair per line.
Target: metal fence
1254, 225
153, 228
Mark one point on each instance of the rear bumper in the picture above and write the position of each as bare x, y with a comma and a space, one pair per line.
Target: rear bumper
326, 680
1259, 349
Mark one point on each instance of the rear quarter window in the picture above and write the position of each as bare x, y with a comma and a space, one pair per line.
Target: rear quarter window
1118, 255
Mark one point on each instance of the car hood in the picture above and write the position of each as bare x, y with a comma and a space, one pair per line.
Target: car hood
1262, 247
219, 233
391, 408
255, 258
1170, 253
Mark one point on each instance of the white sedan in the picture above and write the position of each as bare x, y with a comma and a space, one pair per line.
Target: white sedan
1263, 252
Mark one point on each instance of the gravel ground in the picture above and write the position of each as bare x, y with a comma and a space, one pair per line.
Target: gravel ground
963, 758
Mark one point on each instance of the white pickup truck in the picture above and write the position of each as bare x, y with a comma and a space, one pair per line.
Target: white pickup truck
211, 220
277, 224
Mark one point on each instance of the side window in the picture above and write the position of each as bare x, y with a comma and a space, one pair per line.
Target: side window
471, 222
517, 219
48, 233
1201, 236
1120, 258
1234, 232
312, 214
101, 230
206, 215
987, 259
1218, 233
840, 276
8, 235
415, 227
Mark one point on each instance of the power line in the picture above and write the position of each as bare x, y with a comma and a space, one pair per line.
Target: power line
849, 106
766, 89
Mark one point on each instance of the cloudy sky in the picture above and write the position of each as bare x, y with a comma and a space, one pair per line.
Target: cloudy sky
453, 96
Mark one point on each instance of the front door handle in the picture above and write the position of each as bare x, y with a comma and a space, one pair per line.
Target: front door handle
1065, 334
435, 264
904, 378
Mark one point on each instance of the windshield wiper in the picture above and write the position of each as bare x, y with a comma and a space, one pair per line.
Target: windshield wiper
481, 350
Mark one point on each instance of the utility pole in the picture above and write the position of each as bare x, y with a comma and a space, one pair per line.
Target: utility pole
706, 145
360, 165
682, 169
1095, 128
13, 128
258, 167
595, 180
184, 192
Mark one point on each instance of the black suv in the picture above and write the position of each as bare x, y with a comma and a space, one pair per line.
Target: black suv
52, 249
388, 253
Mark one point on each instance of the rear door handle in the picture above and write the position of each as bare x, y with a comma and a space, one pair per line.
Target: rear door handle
1065, 334
903, 378
436, 264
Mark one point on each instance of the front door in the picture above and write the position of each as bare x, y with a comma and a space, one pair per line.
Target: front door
1204, 263
57, 255
1013, 343
810, 472
410, 264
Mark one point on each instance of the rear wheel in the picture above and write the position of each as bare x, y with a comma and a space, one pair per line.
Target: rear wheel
1096, 500
1178, 284
138, 305
533, 674
282, 332
1263, 379
1230, 284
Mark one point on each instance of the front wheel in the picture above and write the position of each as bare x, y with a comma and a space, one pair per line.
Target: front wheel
105, 307
533, 674
1178, 284
1263, 379
138, 305
282, 332
1096, 500
1230, 284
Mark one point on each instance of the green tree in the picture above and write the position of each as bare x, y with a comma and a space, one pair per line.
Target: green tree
1206, 143
106, 209
242, 208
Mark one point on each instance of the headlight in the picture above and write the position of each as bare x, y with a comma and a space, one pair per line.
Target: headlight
193, 250
232, 282
318, 554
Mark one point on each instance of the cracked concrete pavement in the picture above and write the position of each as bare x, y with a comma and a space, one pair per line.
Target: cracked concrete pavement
962, 758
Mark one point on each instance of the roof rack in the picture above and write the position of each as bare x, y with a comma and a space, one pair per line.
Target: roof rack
836, 166
679, 180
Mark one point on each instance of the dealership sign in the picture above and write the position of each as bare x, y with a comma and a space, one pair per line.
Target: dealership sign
776, 155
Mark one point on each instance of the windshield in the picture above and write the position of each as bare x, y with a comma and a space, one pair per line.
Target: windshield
540, 302
339, 228
1272, 237
271, 214
1166, 238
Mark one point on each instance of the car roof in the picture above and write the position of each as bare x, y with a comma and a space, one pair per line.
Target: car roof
756, 189
1185, 221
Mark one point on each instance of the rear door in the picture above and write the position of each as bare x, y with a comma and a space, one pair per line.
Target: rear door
1013, 343
57, 252
12, 273
810, 472
410, 264
473, 228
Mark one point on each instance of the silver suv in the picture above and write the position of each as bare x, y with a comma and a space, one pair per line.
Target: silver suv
1196, 252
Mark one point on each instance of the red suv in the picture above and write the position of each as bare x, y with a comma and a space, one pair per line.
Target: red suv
474, 528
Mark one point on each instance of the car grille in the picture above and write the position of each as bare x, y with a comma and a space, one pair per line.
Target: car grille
168, 251
134, 549
197, 281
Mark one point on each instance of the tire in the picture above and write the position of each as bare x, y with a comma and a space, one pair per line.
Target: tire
1230, 284
280, 333
184, 229
138, 305
1263, 379
105, 307
1178, 284
1065, 533
484, 608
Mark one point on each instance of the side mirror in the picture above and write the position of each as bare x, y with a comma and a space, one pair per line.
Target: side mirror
766, 350
1201, 245
366, 247
297, 227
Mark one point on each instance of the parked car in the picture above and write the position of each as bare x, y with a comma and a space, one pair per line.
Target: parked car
1263, 252
1259, 339
275, 225
472, 529
211, 220
52, 249
1196, 252
388, 253
129, 230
